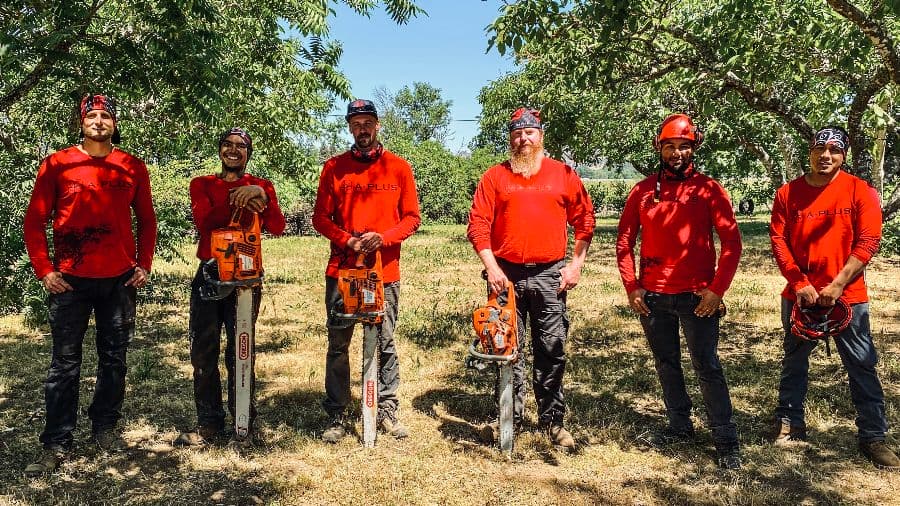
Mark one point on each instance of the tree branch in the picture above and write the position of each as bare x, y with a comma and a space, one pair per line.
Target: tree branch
879, 36
50, 58
862, 165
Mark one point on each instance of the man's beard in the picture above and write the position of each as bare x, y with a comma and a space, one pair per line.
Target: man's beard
99, 138
526, 160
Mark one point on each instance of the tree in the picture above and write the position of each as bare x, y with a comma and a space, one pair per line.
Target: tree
761, 75
417, 114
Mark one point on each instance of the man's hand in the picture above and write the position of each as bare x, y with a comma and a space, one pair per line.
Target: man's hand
569, 276
830, 294
139, 278
355, 244
709, 303
636, 301
243, 195
497, 280
371, 241
807, 296
54, 283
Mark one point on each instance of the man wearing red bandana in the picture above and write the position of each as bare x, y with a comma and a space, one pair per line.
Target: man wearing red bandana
518, 227
675, 212
366, 201
826, 226
89, 192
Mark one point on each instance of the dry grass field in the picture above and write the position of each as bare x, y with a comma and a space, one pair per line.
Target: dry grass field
611, 388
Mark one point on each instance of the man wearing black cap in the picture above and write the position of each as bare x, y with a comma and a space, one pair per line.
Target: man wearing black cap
214, 198
826, 226
89, 191
366, 201
517, 226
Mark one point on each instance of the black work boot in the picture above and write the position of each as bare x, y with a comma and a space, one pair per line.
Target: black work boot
670, 436
335, 430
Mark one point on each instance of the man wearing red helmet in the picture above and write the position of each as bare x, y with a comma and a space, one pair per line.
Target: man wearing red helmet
517, 226
214, 198
366, 201
89, 191
826, 226
675, 211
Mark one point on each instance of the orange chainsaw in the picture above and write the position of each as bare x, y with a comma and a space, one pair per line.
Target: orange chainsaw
362, 294
236, 266
362, 291
236, 258
496, 327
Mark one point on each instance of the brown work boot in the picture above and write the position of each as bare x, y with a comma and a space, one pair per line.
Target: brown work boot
110, 440
390, 425
559, 436
204, 434
879, 454
785, 433
48, 462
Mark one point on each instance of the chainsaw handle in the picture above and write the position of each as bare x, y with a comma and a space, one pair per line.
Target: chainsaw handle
361, 260
236, 216
473, 350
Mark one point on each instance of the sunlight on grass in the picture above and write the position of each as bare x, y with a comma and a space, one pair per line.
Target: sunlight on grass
611, 390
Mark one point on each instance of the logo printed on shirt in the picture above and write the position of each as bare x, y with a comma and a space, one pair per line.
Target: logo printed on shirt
800, 215
78, 186
513, 188
348, 187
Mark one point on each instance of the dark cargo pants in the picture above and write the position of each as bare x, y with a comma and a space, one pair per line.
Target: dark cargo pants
539, 307
113, 305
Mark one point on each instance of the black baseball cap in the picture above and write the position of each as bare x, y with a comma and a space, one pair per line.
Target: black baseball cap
360, 106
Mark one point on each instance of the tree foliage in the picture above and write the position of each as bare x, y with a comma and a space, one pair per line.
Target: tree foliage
416, 113
760, 75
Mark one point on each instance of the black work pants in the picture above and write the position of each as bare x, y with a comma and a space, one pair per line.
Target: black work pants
544, 310
113, 306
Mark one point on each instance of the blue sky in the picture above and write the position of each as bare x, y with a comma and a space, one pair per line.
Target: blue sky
446, 49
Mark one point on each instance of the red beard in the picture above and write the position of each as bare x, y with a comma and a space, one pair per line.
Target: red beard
526, 160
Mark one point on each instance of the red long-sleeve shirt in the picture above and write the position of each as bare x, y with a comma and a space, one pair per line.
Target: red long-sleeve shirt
356, 197
678, 252
523, 220
210, 208
814, 231
90, 201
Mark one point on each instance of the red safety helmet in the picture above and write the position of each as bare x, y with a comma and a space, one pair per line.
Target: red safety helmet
820, 322
678, 126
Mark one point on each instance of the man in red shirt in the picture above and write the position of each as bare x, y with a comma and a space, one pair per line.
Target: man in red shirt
366, 201
517, 226
213, 200
88, 191
675, 212
826, 226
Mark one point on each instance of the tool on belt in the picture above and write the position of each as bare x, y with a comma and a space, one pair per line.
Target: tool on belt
362, 299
